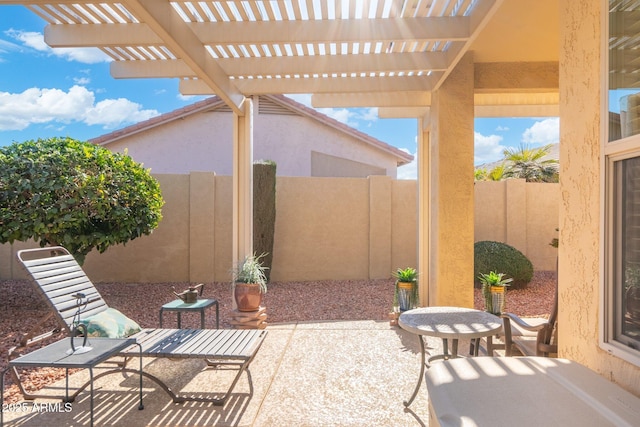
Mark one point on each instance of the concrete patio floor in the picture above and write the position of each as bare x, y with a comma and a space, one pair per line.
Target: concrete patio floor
343, 373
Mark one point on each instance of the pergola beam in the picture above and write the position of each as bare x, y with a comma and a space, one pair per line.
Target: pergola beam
520, 76
282, 66
316, 85
167, 24
482, 13
278, 32
336, 31
404, 99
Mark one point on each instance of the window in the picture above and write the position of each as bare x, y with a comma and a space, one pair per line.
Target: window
621, 303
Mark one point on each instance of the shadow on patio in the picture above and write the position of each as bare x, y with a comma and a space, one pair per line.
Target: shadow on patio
349, 373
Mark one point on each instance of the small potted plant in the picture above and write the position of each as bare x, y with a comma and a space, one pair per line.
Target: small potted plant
493, 289
406, 291
249, 283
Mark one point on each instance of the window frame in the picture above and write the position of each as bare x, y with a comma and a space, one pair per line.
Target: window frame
612, 152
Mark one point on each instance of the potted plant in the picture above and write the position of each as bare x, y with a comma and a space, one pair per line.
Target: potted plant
249, 283
493, 289
406, 291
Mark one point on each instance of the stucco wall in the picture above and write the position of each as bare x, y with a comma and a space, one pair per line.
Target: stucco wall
200, 142
203, 142
291, 140
326, 228
328, 236
581, 139
523, 215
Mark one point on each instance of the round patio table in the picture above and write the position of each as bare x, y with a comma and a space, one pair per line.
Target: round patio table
447, 323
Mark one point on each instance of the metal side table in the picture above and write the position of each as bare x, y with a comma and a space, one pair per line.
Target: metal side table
58, 355
200, 305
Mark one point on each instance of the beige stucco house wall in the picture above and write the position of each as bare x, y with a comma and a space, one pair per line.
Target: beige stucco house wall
302, 141
582, 138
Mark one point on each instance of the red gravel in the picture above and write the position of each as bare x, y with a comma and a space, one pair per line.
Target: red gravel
21, 308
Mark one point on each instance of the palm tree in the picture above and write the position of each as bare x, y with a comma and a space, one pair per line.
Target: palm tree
495, 174
480, 174
530, 164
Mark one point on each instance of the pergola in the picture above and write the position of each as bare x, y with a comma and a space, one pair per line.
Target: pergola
443, 62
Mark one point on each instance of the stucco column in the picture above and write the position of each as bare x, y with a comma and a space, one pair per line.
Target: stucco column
424, 205
581, 133
451, 195
243, 183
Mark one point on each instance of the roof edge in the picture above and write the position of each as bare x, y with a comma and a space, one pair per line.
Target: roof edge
403, 157
161, 119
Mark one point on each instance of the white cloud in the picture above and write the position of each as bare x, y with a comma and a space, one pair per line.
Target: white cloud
34, 40
6, 46
502, 129
410, 170
487, 148
543, 132
181, 97
29, 38
343, 115
81, 80
113, 112
302, 98
54, 107
368, 114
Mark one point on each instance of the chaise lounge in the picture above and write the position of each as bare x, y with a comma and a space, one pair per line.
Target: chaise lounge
60, 280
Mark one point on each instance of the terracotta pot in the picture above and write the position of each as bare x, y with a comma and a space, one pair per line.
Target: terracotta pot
393, 318
248, 296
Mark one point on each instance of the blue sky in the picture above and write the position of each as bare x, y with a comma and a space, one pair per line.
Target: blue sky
48, 92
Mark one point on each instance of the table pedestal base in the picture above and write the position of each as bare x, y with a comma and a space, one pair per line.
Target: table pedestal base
447, 323
444, 356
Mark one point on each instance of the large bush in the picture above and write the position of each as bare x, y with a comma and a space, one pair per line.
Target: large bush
61, 191
502, 258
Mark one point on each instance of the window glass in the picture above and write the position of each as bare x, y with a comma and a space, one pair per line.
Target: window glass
627, 288
621, 302
624, 69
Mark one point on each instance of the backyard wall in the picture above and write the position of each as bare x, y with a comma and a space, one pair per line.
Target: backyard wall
326, 228
521, 214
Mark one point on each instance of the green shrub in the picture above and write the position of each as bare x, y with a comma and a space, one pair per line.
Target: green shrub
502, 258
60, 191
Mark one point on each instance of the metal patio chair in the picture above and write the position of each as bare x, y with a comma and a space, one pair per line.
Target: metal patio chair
535, 336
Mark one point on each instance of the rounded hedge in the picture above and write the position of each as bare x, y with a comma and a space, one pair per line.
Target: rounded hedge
502, 258
60, 191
